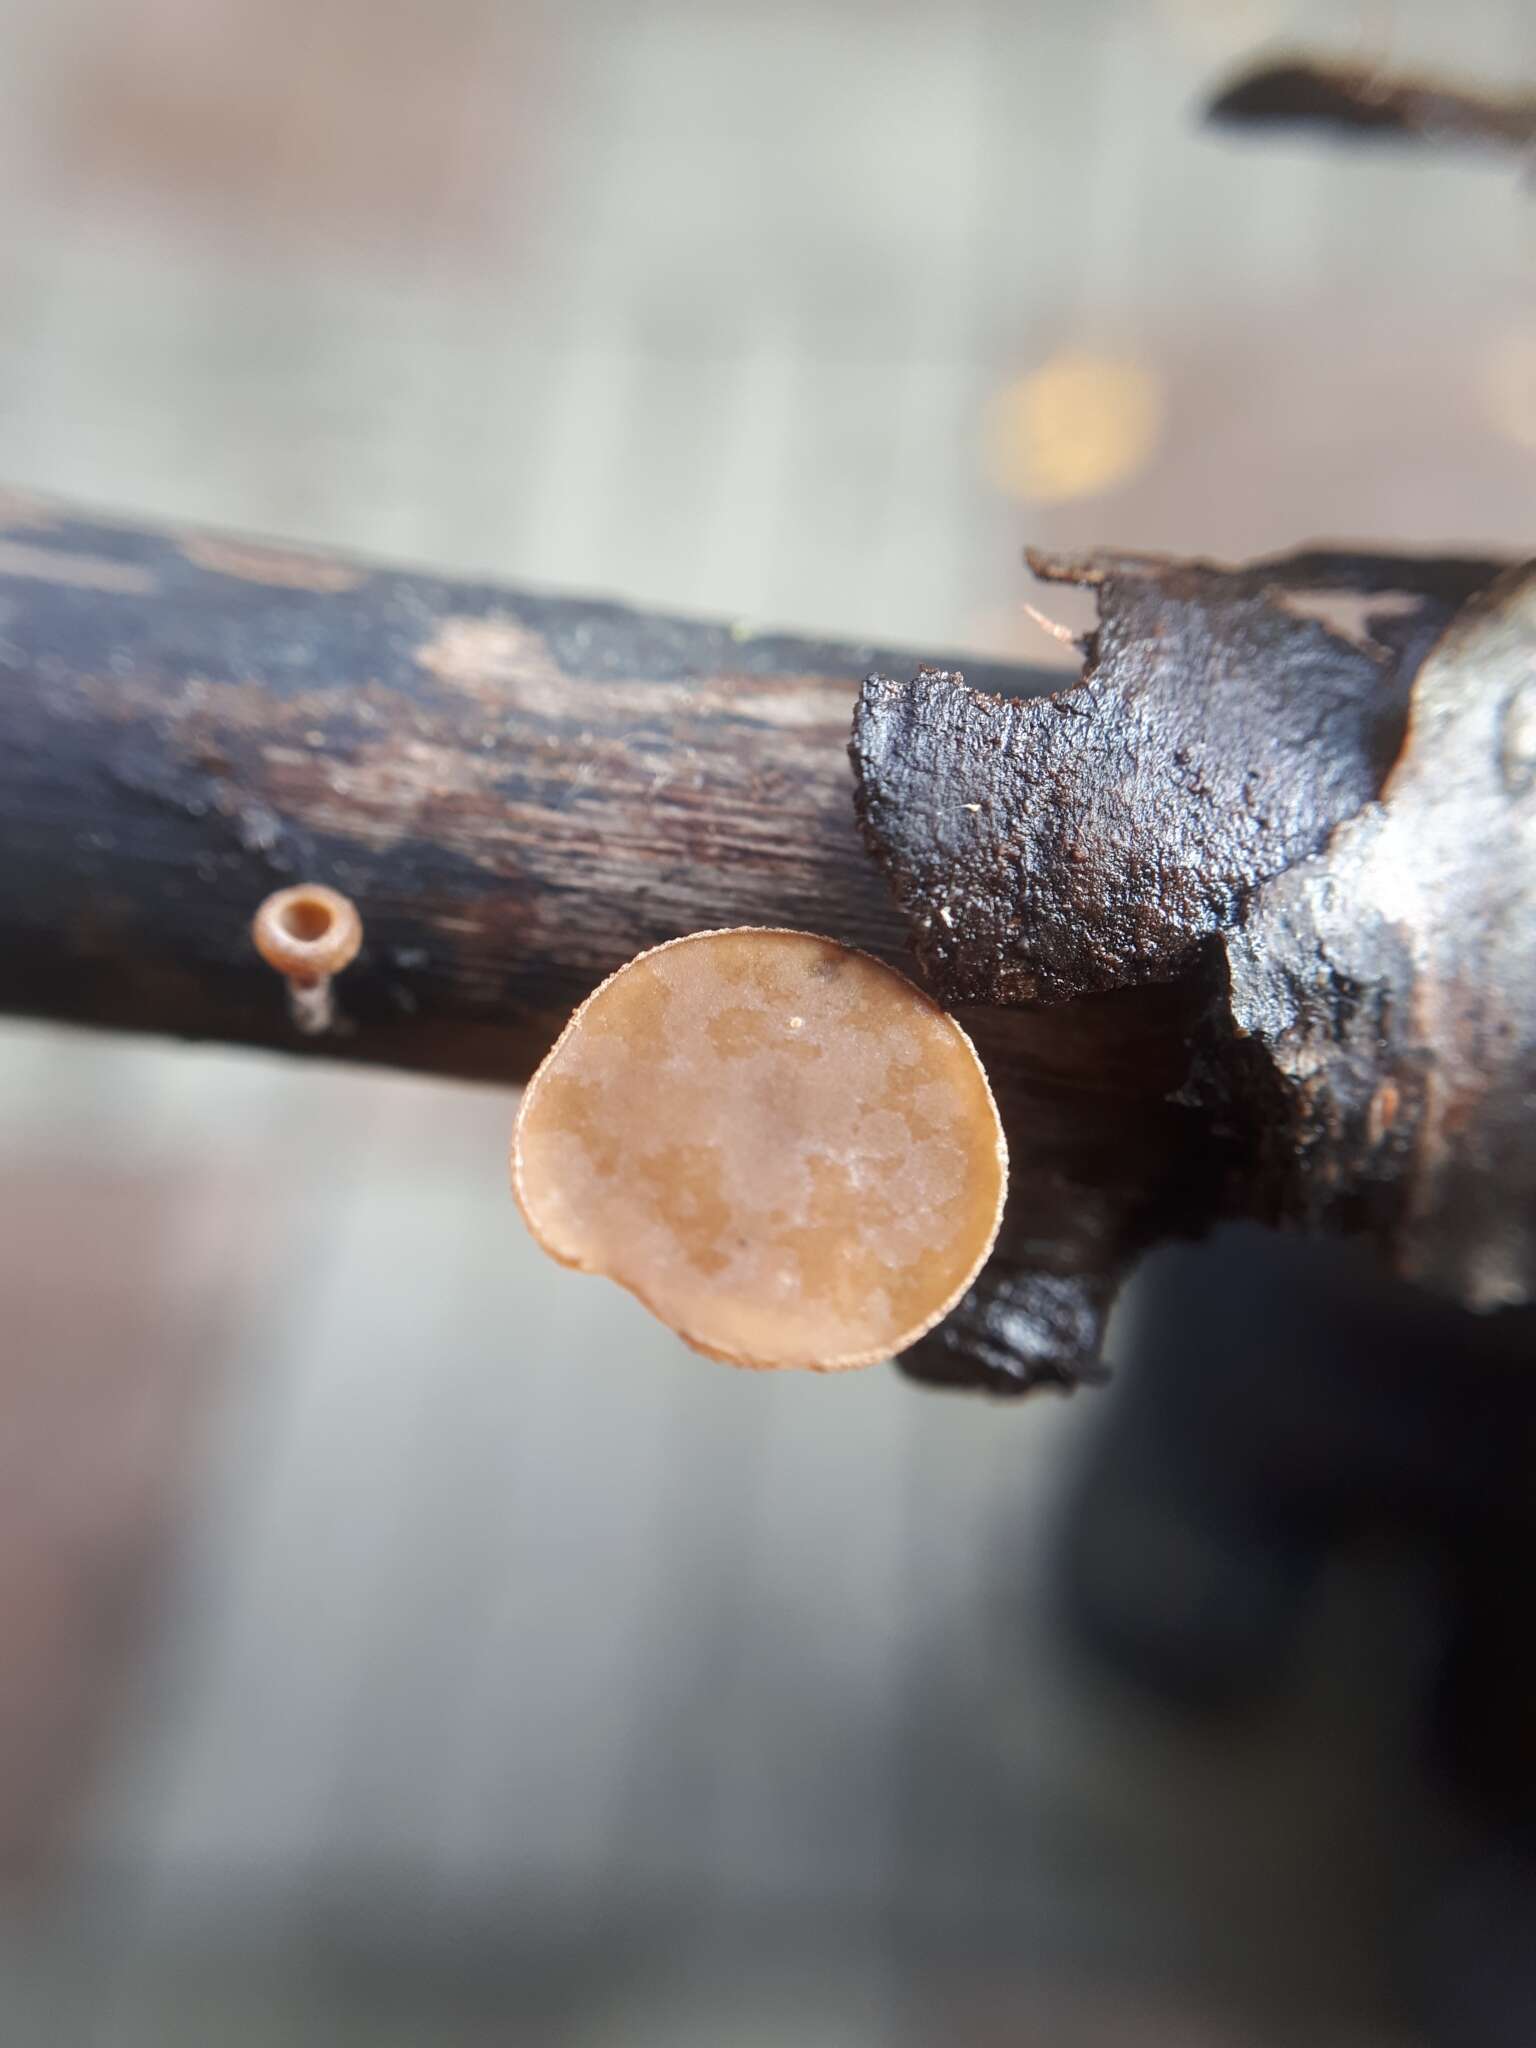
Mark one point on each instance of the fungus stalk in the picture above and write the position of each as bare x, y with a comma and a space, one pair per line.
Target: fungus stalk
309, 934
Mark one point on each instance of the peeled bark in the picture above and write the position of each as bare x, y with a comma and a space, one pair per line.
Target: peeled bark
1316, 848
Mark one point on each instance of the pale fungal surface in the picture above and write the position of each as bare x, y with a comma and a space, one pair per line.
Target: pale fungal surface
308, 932
788, 1152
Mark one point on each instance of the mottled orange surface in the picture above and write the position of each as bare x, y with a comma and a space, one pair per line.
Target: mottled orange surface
786, 1150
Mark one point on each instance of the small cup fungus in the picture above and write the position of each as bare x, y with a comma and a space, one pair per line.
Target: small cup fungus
308, 933
784, 1149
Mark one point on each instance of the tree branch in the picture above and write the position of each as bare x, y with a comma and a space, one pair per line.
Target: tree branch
1360, 100
519, 791
1128, 880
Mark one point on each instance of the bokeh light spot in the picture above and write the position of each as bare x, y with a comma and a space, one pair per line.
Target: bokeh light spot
1079, 424
1508, 387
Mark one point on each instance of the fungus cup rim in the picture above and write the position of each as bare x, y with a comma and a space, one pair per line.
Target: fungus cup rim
843, 1362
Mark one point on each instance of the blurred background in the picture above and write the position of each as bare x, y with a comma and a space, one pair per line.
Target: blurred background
401, 1639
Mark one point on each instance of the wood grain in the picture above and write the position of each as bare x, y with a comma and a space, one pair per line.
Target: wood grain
519, 791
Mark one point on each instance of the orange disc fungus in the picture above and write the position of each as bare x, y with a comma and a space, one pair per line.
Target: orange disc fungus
788, 1152
308, 933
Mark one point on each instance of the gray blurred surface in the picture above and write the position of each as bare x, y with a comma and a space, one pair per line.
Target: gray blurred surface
416, 1643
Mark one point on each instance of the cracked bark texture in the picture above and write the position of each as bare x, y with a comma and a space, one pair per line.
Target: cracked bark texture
1392, 981
1312, 842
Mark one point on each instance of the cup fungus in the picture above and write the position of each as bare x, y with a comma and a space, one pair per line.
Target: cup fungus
784, 1149
308, 933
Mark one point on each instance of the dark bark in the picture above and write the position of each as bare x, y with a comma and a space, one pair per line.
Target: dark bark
519, 791
1392, 981
1224, 815
1359, 100
1097, 837
1109, 1154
